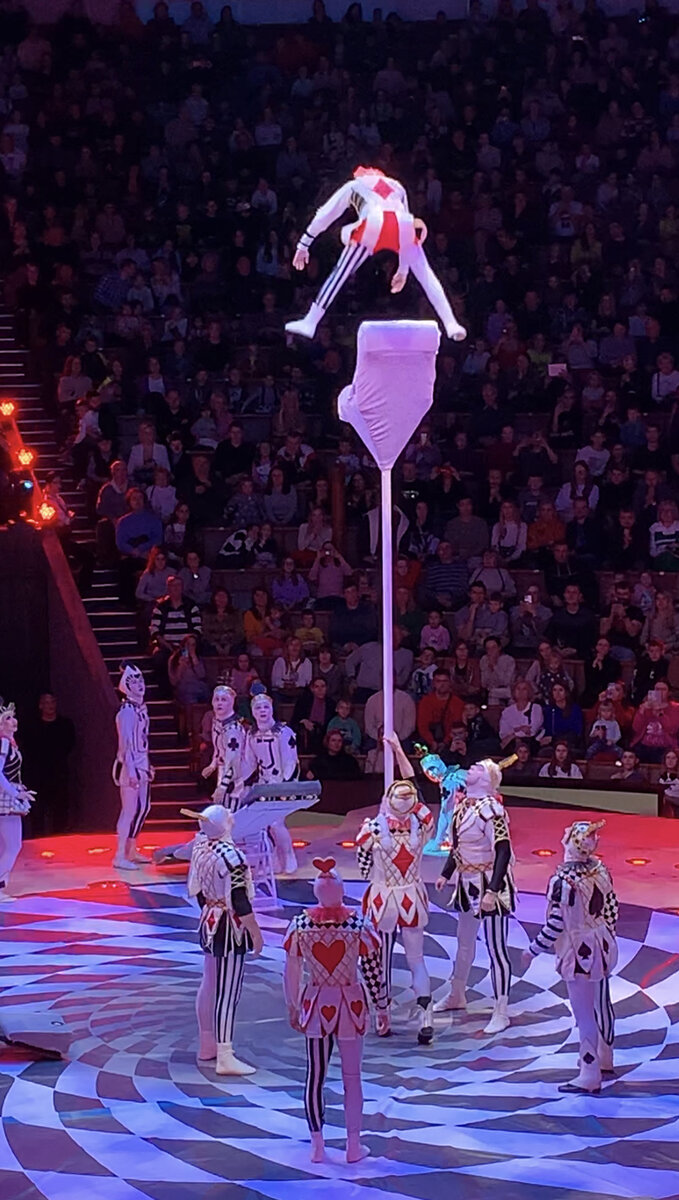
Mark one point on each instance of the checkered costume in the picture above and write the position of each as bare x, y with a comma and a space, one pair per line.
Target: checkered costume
10, 773
389, 852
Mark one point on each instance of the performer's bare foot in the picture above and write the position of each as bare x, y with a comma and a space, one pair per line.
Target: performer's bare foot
455, 1000
317, 1148
124, 864
355, 1149
383, 1024
207, 1048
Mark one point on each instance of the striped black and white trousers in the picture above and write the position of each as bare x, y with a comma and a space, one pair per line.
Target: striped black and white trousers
318, 1054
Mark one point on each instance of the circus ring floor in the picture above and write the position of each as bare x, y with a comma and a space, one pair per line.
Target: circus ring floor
129, 1114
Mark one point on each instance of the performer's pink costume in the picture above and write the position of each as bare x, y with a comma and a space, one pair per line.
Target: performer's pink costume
15, 799
132, 772
271, 757
329, 944
219, 877
582, 911
389, 850
479, 867
384, 222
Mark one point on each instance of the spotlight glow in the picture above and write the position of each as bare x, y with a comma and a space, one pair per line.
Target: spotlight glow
544, 853
26, 456
638, 862
7, 408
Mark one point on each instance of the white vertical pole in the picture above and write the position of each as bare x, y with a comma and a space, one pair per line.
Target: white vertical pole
387, 624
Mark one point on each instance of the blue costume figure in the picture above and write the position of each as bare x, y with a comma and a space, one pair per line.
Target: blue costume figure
449, 780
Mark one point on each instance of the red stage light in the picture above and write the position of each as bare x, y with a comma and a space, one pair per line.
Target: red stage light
300, 845
47, 853
97, 850
47, 512
25, 456
638, 862
347, 845
544, 853
7, 408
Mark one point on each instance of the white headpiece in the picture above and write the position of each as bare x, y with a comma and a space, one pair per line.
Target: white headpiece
400, 798
215, 820
580, 839
130, 673
7, 710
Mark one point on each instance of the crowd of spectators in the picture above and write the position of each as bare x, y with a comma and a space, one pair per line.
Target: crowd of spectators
156, 180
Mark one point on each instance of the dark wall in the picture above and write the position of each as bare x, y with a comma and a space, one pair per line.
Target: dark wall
24, 639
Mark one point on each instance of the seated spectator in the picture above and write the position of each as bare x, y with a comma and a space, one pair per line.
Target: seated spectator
245, 508
161, 495
264, 547
328, 573
584, 535
531, 497
280, 498
111, 504
152, 585
289, 589
495, 578
544, 533
563, 717
528, 621
177, 533
601, 670
334, 762
421, 680
579, 485
560, 765
605, 735
629, 769
668, 783
172, 618
435, 634
467, 533
196, 579
521, 720
363, 668
291, 671
595, 456
308, 632
311, 715
353, 621
137, 532
420, 541
234, 456
482, 740
222, 624
241, 679
509, 534
263, 633
346, 725
465, 676
573, 627
325, 667
664, 538
497, 672
312, 536
186, 673
146, 455
524, 767
405, 717
655, 727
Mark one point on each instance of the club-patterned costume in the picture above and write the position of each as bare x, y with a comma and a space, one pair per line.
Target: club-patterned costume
580, 927
229, 739
271, 757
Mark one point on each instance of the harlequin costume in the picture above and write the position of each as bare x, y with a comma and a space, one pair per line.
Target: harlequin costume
132, 772
389, 850
479, 867
383, 222
219, 878
580, 926
326, 947
15, 799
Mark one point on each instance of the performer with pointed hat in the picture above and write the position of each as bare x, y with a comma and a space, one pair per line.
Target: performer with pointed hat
132, 771
219, 877
479, 867
389, 849
582, 911
329, 944
15, 799
383, 222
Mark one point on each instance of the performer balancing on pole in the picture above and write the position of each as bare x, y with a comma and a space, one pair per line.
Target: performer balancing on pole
384, 222
479, 867
389, 849
330, 943
582, 911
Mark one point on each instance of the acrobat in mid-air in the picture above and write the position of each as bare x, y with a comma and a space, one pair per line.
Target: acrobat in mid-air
384, 222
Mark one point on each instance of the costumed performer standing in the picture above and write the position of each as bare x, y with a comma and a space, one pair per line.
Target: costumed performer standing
330, 943
389, 849
219, 877
450, 780
383, 222
132, 771
15, 799
479, 867
582, 911
271, 756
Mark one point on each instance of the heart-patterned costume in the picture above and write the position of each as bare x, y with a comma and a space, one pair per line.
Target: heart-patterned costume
335, 999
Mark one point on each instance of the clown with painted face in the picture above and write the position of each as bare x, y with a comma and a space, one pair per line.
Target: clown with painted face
383, 222
582, 911
132, 772
228, 741
389, 850
219, 878
271, 757
328, 948
15, 799
479, 867
451, 782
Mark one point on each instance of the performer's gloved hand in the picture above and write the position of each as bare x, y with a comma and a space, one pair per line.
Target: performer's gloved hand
301, 258
489, 901
441, 883
208, 770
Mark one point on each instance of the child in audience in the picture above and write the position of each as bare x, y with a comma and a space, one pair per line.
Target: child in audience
309, 634
347, 726
421, 680
435, 634
605, 735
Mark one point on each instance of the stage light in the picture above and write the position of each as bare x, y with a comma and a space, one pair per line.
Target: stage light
543, 853
149, 847
7, 408
47, 512
347, 845
638, 862
47, 853
26, 457
446, 846
300, 845
97, 850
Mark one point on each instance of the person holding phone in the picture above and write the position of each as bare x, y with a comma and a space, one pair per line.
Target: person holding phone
655, 727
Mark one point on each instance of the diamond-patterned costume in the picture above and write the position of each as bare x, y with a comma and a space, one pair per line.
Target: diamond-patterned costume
389, 851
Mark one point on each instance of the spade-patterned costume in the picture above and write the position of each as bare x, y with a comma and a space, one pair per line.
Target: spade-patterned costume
582, 911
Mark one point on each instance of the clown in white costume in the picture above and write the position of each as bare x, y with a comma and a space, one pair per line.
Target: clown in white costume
219, 877
271, 757
330, 944
228, 749
389, 850
383, 222
15, 799
479, 867
132, 772
582, 910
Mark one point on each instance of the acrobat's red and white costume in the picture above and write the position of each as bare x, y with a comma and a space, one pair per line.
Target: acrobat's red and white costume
389, 849
132, 771
384, 222
326, 947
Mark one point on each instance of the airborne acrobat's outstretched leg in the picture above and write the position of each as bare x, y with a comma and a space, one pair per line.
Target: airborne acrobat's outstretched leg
431, 285
347, 264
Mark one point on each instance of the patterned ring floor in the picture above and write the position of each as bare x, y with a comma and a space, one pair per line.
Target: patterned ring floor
131, 1115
